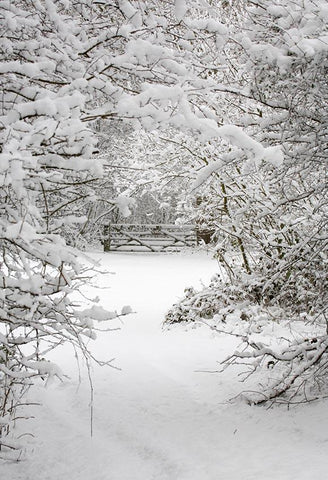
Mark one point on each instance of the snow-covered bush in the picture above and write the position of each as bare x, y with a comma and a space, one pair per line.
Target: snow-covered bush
269, 207
45, 159
286, 56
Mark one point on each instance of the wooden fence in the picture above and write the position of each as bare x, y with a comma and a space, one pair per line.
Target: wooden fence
151, 238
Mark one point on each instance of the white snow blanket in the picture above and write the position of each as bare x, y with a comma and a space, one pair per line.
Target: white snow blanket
161, 417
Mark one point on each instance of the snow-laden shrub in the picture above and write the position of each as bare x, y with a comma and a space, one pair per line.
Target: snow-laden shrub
267, 198
282, 355
45, 172
221, 301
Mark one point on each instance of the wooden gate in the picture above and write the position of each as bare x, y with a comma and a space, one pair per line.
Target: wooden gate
151, 238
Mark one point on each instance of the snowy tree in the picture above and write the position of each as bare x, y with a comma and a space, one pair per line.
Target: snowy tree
65, 66
45, 158
269, 205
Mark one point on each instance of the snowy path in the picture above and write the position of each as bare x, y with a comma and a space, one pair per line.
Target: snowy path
158, 418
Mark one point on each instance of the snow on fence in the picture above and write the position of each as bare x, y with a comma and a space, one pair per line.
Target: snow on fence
153, 238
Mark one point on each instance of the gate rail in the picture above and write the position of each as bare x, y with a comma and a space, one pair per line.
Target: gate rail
148, 237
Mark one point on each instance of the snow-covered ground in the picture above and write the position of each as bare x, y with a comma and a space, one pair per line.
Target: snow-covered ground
160, 417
